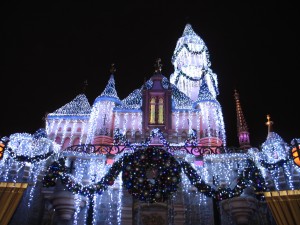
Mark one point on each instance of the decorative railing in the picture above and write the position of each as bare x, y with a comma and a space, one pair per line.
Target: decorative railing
117, 149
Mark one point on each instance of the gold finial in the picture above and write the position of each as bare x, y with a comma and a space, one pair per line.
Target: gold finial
158, 65
269, 123
112, 68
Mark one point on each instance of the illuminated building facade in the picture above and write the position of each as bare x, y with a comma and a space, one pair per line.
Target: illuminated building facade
158, 156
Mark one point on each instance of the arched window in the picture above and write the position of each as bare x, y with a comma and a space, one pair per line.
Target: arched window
152, 111
156, 110
76, 141
128, 135
57, 140
160, 111
138, 137
66, 143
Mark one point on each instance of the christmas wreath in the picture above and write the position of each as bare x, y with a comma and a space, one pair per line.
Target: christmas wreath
151, 175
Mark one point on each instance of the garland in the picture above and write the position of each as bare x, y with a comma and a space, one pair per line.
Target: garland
189, 50
25, 158
59, 170
273, 166
159, 185
250, 176
180, 73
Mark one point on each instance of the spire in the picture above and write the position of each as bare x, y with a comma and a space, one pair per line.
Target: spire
85, 84
158, 65
269, 123
109, 92
110, 89
112, 69
242, 128
188, 30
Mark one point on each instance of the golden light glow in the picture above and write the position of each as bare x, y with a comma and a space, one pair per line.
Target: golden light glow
2, 146
295, 154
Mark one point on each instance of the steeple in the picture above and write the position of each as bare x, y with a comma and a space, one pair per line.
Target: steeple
242, 128
188, 30
269, 123
110, 92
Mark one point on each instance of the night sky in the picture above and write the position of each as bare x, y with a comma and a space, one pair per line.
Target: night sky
50, 49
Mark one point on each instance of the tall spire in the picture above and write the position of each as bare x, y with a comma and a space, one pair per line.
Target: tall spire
242, 128
269, 123
112, 69
110, 92
188, 30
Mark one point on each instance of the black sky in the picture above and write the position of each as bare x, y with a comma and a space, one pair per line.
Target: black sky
49, 49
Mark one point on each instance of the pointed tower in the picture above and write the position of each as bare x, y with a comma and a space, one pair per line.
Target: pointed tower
212, 129
101, 120
274, 148
157, 101
191, 62
242, 128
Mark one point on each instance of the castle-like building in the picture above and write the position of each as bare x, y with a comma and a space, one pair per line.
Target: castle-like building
158, 156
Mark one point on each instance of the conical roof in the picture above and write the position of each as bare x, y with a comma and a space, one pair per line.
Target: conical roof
132, 102
79, 106
204, 93
109, 93
179, 99
188, 30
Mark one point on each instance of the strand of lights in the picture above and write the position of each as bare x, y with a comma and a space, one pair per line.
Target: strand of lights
65, 127
84, 130
133, 122
176, 120
125, 120
92, 122
77, 209
56, 131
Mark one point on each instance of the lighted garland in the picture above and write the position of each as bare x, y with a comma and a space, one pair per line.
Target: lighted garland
59, 170
188, 77
136, 171
273, 166
25, 158
147, 186
250, 176
189, 50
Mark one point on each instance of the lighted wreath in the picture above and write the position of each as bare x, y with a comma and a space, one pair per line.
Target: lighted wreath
151, 175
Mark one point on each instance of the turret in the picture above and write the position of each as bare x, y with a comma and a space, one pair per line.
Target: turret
101, 120
242, 128
212, 130
157, 101
191, 63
